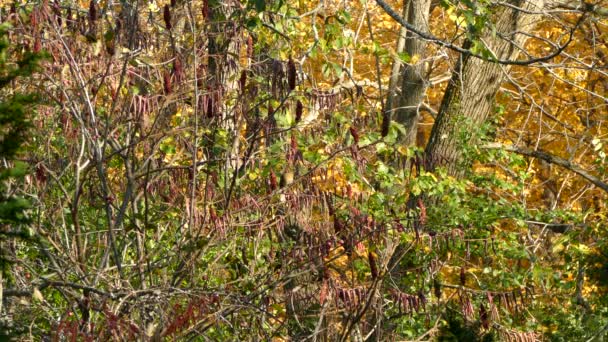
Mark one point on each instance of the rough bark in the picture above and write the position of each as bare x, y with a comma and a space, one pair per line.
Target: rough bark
394, 90
470, 95
413, 79
408, 82
469, 98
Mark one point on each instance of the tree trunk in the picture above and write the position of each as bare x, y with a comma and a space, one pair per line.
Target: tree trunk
392, 98
469, 98
413, 77
407, 83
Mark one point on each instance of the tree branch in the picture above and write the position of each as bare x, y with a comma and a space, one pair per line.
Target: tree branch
553, 160
433, 39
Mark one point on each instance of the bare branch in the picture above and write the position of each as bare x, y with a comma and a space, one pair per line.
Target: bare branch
553, 160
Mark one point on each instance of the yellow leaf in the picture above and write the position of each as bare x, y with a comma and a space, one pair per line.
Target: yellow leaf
37, 295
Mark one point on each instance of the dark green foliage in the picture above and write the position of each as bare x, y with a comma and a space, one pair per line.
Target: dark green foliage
456, 330
14, 124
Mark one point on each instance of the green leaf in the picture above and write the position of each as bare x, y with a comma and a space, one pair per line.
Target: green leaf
404, 57
260, 5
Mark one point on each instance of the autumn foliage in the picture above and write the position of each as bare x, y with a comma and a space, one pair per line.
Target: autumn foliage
238, 170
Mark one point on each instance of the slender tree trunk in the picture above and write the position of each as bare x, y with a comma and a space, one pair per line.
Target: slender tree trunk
392, 99
407, 86
408, 81
470, 97
413, 77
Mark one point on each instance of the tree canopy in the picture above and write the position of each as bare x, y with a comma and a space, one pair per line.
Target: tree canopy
304, 170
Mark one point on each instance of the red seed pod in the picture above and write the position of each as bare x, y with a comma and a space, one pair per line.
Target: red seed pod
57, 12
210, 112
483, 316
178, 69
372, 264
167, 83
34, 19
243, 80
205, 9
293, 143
323, 293
360, 295
415, 303
167, 17
422, 299
299, 109
350, 297
37, 44
177, 66
92, 11
463, 276
273, 181
212, 215
291, 74
250, 46
173, 3
353, 132
422, 207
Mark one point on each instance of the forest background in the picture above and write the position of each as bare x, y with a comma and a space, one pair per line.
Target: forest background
306, 170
